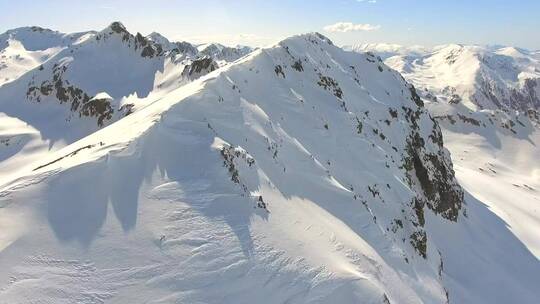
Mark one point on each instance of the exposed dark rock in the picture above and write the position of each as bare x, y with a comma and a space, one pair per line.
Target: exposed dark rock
80, 102
393, 113
118, 27
359, 126
149, 48
455, 99
127, 109
419, 242
68, 155
200, 67
469, 120
298, 66
228, 154
415, 97
330, 84
436, 178
279, 71
100, 108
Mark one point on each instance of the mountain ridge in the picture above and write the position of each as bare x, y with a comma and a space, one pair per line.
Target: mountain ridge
300, 173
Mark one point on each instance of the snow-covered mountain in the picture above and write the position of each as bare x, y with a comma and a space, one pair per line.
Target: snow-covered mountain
492, 77
58, 88
224, 53
300, 173
74, 68
386, 50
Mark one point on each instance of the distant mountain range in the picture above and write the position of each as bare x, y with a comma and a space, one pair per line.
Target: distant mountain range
493, 77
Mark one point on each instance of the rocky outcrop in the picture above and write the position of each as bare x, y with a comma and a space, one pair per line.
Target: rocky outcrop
429, 170
146, 47
199, 67
80, 102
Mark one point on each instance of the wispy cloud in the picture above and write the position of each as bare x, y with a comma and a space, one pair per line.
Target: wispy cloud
344, 27
367, 1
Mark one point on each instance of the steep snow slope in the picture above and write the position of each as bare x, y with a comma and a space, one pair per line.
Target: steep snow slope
481, 77
495, 154
299, 174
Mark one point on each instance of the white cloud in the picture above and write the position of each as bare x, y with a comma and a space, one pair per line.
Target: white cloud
344, 27
367, 1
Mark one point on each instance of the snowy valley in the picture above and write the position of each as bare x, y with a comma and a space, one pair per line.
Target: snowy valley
134, 169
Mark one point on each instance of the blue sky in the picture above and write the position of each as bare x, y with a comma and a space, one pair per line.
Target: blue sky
407, 22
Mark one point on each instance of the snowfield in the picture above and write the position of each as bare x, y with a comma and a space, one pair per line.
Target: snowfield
300, 173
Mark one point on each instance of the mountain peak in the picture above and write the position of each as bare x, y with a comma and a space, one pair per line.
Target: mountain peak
116, 27
312, 36
29, 29
322, 37
449, 47
157, 37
